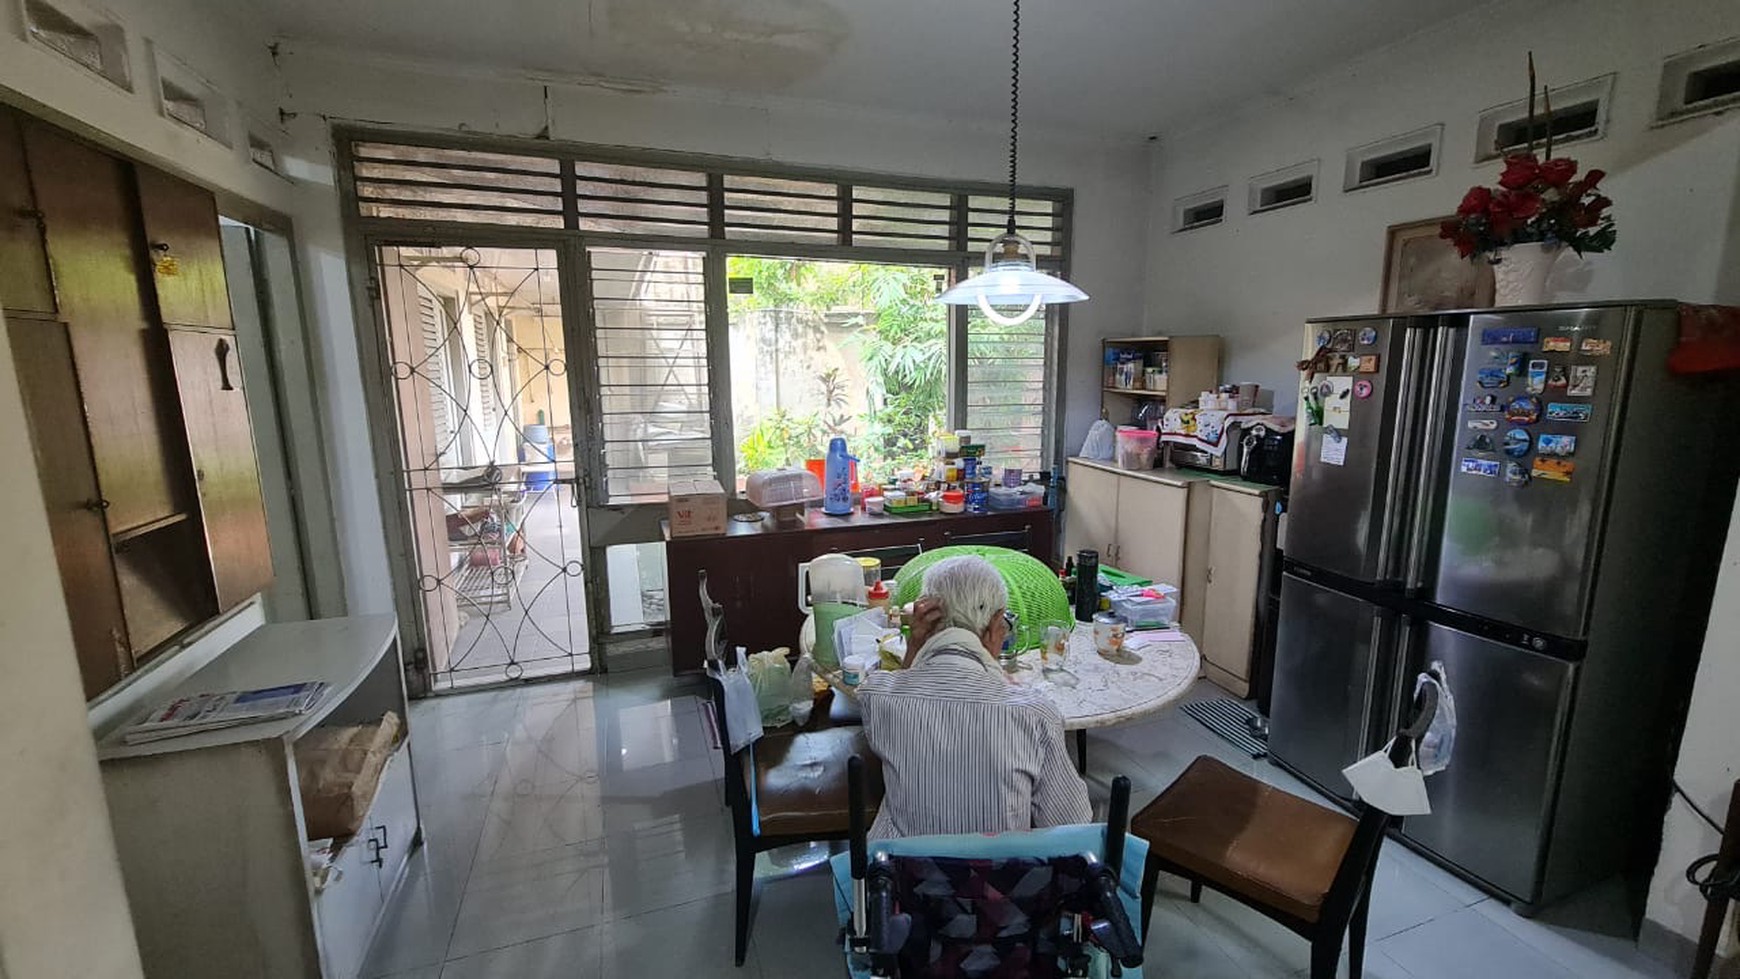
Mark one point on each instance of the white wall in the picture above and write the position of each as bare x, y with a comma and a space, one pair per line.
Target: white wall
1677, 193
63, 910
1255, 278
1110, 181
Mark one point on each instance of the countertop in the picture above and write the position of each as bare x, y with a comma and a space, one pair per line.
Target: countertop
1182, 478
816, 520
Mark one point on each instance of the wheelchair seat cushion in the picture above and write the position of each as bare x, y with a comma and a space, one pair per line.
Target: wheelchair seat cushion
987, 918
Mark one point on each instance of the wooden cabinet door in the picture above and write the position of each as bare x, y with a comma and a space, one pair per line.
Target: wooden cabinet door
42, 356
24, 280
86, 199
1235, 547
1091, 511
1151, 527
221, 441
185, 250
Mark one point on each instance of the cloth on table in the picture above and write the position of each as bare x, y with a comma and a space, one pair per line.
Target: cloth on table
1199, 428
1058, 841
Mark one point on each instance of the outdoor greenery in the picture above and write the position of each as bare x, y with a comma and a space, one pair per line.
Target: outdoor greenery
899, 334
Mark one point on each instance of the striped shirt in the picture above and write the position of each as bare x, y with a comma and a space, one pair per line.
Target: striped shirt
963, 750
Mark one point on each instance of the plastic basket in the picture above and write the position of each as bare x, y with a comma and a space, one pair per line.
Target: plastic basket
1036, 596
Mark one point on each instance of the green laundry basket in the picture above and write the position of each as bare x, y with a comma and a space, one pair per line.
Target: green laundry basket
1035, 594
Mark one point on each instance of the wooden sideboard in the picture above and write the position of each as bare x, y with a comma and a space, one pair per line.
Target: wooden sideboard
752, 568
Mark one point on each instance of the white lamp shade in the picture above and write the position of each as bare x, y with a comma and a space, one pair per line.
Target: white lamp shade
1012, 286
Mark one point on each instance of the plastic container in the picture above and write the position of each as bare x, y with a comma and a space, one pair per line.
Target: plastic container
954, 501
771, 488
1143, 612
873, 505
1137, 448
978, 494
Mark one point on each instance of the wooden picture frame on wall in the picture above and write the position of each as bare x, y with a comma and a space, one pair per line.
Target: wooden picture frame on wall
1423, 273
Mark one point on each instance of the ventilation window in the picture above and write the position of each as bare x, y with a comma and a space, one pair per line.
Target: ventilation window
1199, 210
1699, 81
80, 34
1397, 158
263, 152
190, 100
1284, 188
1579, 113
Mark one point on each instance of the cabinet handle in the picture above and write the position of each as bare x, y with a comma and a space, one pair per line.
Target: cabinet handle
223, 358
160, 246
96, 506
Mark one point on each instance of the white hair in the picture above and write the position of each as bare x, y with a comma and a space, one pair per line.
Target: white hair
970, 590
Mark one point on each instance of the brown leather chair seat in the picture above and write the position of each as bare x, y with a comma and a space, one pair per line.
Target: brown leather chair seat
800, 781
1243, 835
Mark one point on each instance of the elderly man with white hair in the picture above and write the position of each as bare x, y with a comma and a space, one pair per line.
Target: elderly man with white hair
963, 750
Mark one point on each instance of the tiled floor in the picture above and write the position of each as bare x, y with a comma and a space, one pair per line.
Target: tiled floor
576, 829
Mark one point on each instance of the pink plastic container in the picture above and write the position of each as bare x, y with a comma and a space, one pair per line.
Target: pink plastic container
1137, 448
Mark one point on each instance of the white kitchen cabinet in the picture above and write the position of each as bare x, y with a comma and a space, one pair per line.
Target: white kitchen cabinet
1091, 513
1152, 529
209, 826
1235, 560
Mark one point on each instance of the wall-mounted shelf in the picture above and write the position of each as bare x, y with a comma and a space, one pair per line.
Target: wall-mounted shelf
1192, 366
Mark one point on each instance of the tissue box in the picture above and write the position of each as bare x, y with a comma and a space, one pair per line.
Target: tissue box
697, 508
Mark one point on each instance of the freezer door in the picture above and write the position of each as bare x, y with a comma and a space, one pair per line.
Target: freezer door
1492, 807
1333, 661
1350, 458
1539, 399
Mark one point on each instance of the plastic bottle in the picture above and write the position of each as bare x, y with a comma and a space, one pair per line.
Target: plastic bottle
878, 595
803, 699
837, 483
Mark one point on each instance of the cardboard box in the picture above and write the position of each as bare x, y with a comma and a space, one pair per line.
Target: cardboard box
697, 508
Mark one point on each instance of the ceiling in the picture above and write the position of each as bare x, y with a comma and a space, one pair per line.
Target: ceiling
1113, 67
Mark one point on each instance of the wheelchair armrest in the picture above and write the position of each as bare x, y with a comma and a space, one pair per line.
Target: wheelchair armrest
1111, 928
885, 930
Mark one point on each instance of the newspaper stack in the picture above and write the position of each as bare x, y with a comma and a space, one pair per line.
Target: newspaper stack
212, 711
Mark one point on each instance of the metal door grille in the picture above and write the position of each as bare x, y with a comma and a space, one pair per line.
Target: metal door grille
498, 542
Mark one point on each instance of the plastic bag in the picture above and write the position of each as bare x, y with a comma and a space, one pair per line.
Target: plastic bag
770, 675
742, 713
803, 698
1101, 441
1439, 741
862, 634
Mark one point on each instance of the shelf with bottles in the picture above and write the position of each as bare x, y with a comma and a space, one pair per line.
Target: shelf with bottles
1141, 372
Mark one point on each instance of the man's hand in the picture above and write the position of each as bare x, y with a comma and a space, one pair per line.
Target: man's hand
927, 621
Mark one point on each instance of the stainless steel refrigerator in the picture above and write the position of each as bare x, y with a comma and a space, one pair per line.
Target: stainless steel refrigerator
1530, 498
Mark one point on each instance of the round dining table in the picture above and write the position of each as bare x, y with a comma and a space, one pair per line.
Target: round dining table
1153, 671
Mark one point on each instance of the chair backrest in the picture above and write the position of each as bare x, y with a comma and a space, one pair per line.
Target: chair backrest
1360, 861
892, 558
1015, 540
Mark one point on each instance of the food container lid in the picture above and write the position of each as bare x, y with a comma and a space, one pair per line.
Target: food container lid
953, 496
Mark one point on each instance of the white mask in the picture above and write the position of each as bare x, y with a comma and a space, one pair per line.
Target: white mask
1383, 786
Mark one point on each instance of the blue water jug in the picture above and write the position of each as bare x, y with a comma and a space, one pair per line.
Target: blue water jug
837, 481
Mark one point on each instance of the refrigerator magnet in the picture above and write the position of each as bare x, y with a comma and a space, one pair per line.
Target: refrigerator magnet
1559, 411
1524, 409
1341, 341
1362, 389
1481, 442
1486, 404
1557, 470
1368, 364
1480, 467
1323, 339
1537, 381
1493, 377
1513, 362
1596, 348
1557, 378
1368, 336
1333, 451
1556, 445
1516, 474
1495, 335
1582, 383
1556, 345
1482, 424
1517, 443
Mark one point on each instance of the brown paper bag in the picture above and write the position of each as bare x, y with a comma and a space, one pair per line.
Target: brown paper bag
338, 770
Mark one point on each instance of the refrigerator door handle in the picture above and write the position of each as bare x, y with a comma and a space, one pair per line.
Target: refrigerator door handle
1441, 412
1407, 401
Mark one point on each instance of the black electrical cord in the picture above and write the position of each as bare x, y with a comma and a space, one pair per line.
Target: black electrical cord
1014, 110
1724, 888
1695, 808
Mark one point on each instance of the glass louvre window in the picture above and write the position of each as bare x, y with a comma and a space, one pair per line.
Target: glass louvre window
1008, 376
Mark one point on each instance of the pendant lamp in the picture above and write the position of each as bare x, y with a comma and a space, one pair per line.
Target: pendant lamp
1011, 277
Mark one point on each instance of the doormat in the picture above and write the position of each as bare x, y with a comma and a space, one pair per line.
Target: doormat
1230, 719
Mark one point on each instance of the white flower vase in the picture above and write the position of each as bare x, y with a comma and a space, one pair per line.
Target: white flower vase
1520, 273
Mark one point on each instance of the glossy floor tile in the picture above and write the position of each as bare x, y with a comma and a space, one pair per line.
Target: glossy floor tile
578, 829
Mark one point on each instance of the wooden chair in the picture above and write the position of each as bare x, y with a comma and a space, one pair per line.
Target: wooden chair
785, 788
1305, 866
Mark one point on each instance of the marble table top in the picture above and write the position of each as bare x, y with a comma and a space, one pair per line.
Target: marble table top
1093, 691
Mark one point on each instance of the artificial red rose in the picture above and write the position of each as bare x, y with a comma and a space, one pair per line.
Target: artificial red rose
1581, 218
1558, 172
1596, 206
1520, 170
1449, 230
1476, 201
1522, 204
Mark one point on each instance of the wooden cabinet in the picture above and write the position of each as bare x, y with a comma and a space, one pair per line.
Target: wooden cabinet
185, 250
1235, 559
141, 432
208, 373
1151, 529
1091, 517
50, 385
24, 280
